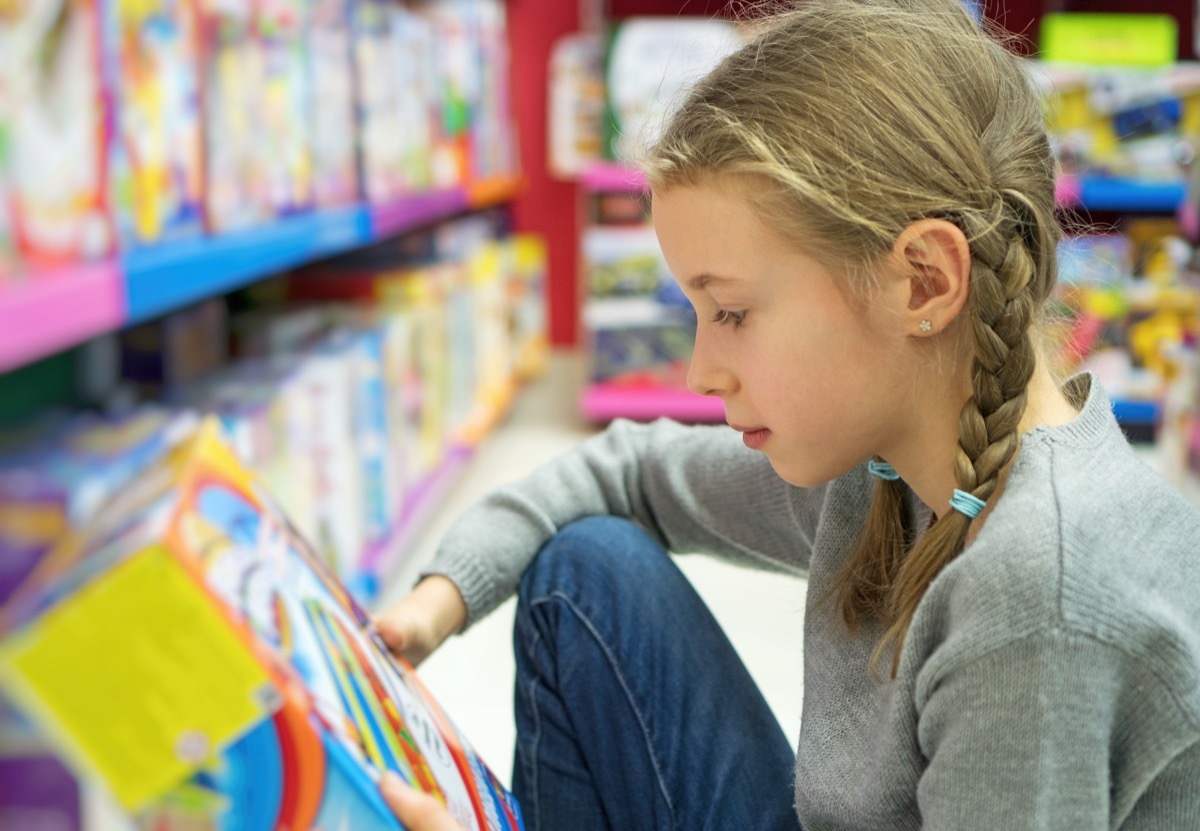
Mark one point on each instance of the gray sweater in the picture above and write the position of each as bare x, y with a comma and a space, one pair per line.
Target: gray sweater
1051, 676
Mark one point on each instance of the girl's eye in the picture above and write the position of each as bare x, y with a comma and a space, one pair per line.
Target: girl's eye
734, 319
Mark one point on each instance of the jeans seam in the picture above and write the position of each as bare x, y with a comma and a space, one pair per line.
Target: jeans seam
662, 786
531, 768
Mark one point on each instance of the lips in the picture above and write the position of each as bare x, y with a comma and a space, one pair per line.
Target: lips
753, 437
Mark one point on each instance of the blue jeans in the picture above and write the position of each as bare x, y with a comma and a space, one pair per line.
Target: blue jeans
632, 708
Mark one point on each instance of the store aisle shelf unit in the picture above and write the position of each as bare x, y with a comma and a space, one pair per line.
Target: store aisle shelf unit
638, 307
52, 311
58, 309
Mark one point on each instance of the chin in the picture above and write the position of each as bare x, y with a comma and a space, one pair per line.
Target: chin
806, 476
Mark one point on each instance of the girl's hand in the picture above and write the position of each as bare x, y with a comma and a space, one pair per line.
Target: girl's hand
418, 624
416, 811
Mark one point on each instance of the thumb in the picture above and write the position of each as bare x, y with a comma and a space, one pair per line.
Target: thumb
396, 629
416, 810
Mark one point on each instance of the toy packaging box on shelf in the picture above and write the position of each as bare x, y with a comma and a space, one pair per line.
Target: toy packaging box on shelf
650, 62
379, 124
286, 97
410, 305
493, 146
152, 66
1127, 309
458, 76
233, 75
641, 328
1130, 123
415, 95
287, 715
291, 417
527, 327
58, 131
332, 108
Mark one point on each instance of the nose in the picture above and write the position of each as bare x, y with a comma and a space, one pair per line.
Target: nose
707, 374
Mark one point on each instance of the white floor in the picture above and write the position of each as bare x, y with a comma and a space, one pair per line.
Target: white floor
472, 675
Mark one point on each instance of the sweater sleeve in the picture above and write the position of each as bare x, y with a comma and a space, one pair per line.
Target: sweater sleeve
695, 489
1055, 730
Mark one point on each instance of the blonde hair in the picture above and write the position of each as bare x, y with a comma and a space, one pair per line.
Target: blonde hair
853, 119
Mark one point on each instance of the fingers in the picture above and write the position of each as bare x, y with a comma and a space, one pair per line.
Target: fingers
395, 629
402, 635
416, 811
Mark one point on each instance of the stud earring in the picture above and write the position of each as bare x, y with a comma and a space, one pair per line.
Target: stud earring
926, 326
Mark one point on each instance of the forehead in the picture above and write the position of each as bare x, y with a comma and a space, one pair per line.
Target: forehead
711, 221
717, 228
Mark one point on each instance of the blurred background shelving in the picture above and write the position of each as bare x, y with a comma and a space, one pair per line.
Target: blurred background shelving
313, 220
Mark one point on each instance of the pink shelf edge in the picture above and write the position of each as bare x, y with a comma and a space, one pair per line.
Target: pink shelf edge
612, 176
57, 310
417, 210
1067, 190
603, 402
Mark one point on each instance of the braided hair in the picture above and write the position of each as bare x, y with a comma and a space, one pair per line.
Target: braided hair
854, 119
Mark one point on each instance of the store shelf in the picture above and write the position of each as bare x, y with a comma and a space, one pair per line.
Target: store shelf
53, 311
494, 191
612, 177
58, 309
417, 211
1122, 195
604, 402
171, 276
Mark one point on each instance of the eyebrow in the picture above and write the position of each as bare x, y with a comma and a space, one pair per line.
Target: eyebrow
702, 281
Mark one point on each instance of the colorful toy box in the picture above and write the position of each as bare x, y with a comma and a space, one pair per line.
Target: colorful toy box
331, 111
233, 74
58, 131
261, 695
527, 328
458, 82
641, 327
379, 122
493, 143
153, 69
286, 97
411, 304
416, 94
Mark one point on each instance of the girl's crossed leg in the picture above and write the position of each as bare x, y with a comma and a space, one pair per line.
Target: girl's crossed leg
633, 710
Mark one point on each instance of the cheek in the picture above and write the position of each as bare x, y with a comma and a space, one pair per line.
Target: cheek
818, 382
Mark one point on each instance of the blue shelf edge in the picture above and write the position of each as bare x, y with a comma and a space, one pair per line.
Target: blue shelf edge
1133, 411
1130, 195
167, 277
162, 278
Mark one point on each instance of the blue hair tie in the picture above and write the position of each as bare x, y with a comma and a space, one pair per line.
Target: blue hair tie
967, 504
882, 470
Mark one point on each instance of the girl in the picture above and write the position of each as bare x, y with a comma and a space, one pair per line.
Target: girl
1002, 627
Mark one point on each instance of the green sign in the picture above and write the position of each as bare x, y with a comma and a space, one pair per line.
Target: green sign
1145, 40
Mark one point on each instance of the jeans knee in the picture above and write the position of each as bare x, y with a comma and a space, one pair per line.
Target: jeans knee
591, 554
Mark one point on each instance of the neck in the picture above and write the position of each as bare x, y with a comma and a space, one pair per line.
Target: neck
923, 461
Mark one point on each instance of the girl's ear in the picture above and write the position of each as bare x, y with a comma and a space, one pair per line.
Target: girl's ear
935, 260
